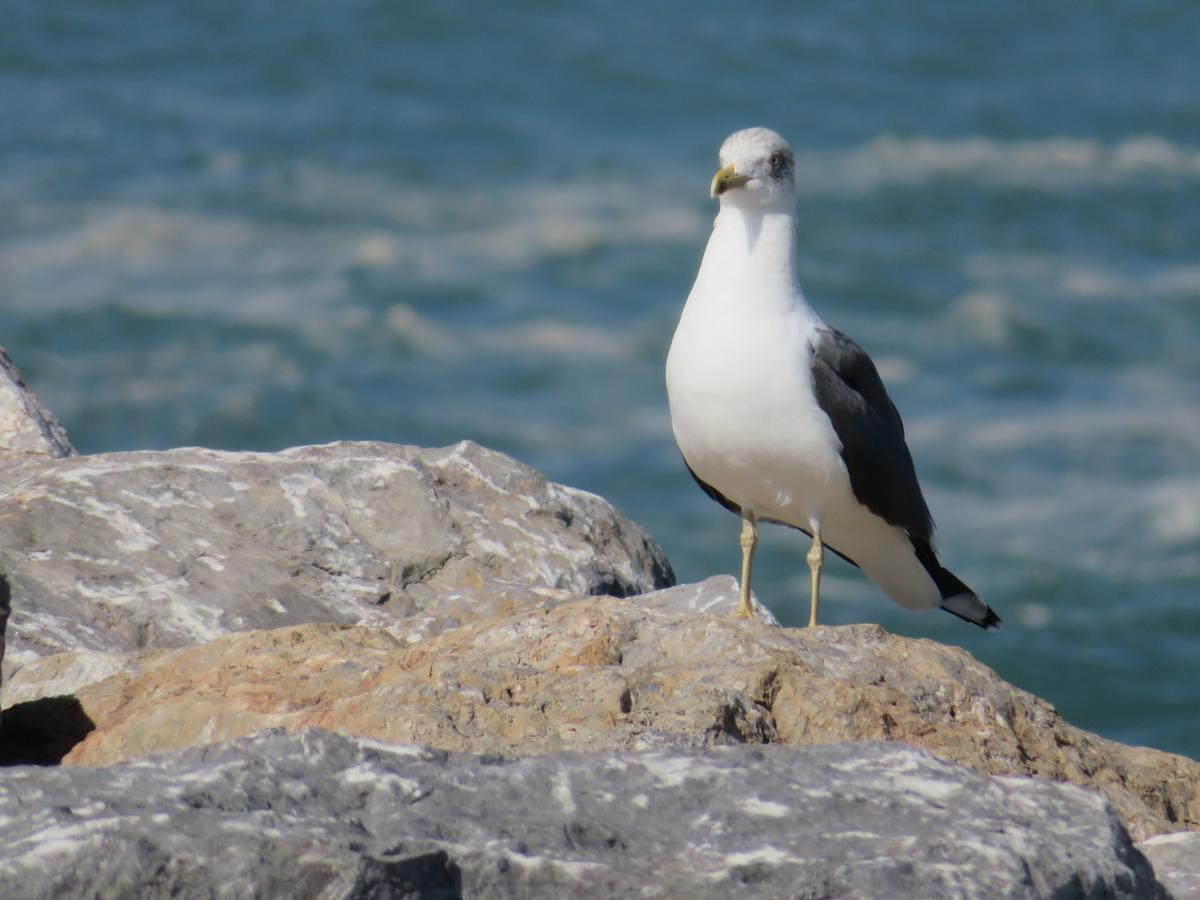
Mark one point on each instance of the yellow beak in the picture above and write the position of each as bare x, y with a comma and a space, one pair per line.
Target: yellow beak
725, 179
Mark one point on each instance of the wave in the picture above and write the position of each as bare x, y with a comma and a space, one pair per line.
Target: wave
1084, 280
1043, 163
301, 230
543, 336
268, 266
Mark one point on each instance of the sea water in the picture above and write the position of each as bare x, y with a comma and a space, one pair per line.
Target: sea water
261, 224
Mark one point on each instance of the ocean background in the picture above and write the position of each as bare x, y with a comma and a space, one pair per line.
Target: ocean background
251, 225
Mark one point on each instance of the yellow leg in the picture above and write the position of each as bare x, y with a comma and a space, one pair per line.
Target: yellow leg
749, 538
816, 556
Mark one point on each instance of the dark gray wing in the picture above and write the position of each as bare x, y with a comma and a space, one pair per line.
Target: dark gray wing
851, 393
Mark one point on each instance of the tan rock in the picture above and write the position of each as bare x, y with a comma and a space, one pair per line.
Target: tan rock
602, 673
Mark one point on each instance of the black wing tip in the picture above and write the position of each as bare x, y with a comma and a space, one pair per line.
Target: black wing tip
992, 621
957, 598
960, 605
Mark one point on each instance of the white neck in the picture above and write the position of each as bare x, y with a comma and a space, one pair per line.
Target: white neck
751, 255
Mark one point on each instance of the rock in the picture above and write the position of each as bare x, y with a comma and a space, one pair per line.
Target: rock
63, 674
5, 609
126, 551
26, 427
600, 673
324, 815
1176, 861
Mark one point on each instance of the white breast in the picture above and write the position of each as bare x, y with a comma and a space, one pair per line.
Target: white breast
743, 409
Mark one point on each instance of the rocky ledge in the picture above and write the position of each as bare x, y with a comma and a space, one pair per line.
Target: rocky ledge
181, 602
123, 551
556, 671
322, 815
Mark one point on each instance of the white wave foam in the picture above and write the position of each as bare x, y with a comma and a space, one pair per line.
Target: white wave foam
1044, 163
1082, 279
132, 239
989, 316
1174, 508
544, 336
152, 258
509, 225
1071, 510
1034, 616
1079, 426
560, 338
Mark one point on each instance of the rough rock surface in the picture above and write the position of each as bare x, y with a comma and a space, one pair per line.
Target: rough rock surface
1176, 861
5, 609
321, 815
173, 599
26, 427
124, 551
576, 673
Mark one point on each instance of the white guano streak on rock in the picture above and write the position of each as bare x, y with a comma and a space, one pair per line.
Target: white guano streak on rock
562, 792
217, 773
366, 774
134, 537
48, 629
574, 868
256, 830
192, 619
928, 788
769, 855
673, 771
707, 824
376, 470
576, 498
458, 459
1179, 837
168, 499
490, 548
555, 555
87, 468
296, 488
405, 751
756, 806
72, 556
56, 840
85, 667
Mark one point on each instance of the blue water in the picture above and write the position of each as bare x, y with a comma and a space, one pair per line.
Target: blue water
260, 224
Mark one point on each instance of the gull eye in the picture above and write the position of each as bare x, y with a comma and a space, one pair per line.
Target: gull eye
776, 161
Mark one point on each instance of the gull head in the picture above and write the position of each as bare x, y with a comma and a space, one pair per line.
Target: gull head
758, 171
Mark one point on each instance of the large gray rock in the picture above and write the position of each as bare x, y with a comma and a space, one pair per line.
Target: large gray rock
1176, 861
124, 551
319, 815
26, 427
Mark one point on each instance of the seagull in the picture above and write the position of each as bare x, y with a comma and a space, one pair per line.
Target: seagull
781, 418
